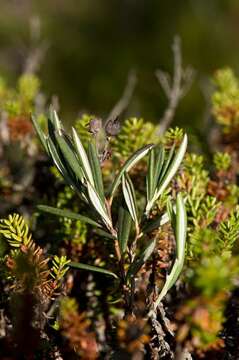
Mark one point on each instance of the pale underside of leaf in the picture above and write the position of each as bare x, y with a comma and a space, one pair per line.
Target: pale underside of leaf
83, 157
98, 205
167, 177
137, 156
180, 234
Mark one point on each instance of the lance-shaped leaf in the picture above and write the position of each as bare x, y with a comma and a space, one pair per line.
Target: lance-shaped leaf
68, 214
155, 166
166, 164
96, 170
159, 166
98, 205
150, 174
104, 234
68, 152
156, 223
83, 157
124, 227
180, 220
40, 133
97, 269
59, 163
168, 172
141, 259
129, 196
137, 156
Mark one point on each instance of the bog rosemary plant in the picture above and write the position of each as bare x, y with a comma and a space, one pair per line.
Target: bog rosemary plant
81, 169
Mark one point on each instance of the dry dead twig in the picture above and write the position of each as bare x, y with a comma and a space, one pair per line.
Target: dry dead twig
125, 99
175, 87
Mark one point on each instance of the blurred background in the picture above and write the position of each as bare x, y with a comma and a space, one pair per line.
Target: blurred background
90, 46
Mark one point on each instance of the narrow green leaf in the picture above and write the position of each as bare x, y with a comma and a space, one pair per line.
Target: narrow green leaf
171, 213
156, 223
68, 214
70, 156
58, 161
158, 167
171, 171
181, 227
92, 268
96, 169
98, 204
141, 259
104, 234
173, 167
83, 157
40, 133
53, 117
124, 227
65, 171
137, 156
180, 234
129, 196
167, 162
150, 174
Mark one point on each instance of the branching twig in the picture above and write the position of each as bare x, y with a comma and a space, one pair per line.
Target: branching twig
124, 101
175, 87
39, 48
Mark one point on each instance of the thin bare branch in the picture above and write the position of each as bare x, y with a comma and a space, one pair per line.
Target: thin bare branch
175, 87
38, 47
124, 101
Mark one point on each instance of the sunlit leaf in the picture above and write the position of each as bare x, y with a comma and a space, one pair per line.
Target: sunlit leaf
168, 174
83, 157
98, 204
96, 169
129, 196
70, 156
180, 235
137, 156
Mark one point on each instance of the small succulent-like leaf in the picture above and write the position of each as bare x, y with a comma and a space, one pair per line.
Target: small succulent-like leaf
141, 259
180, 234
137, 156
67, 213
96, 169
76, 265
83, 157
98, 205
124, 226
129, 196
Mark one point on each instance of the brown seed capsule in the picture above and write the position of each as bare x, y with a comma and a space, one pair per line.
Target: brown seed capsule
112, 127
95, 126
